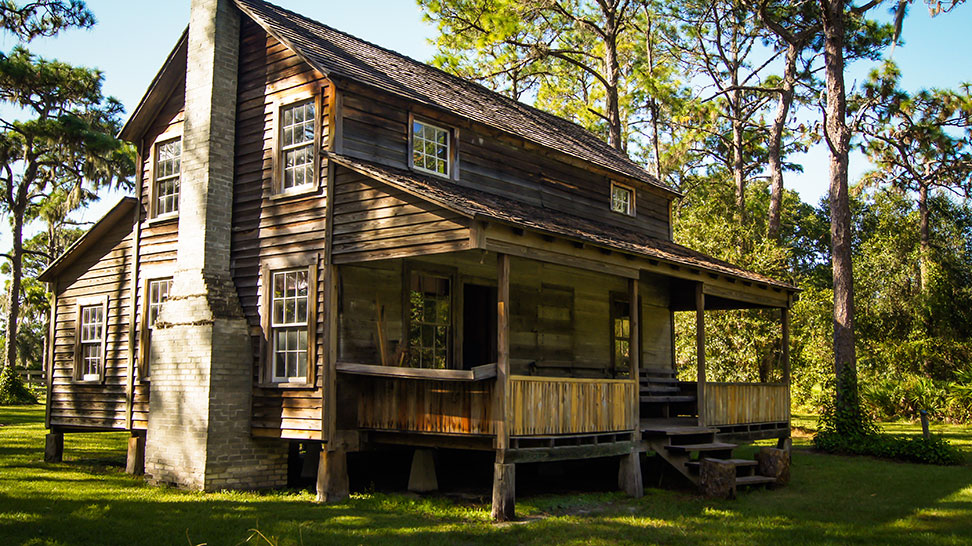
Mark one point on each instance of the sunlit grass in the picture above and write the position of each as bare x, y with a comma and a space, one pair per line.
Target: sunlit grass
832, 500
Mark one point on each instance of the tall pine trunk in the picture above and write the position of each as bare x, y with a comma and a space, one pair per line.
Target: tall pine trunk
838, 138
775, 148
16, 276
924, 238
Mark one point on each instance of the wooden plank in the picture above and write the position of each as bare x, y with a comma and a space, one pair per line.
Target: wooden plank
700, 351
479, 373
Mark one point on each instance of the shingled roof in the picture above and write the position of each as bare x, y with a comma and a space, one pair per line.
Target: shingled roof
341, 55
479, 204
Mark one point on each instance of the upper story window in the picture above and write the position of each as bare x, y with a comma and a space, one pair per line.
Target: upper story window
290, 308
168, 170
91, 341
298, 128
431, 149
622, 199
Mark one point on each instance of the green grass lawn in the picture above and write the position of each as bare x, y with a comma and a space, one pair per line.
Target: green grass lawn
88, 499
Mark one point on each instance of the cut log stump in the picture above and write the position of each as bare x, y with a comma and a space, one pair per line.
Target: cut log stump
717, 479
504, 492
774, 463
332, 477
629, 475
135, 462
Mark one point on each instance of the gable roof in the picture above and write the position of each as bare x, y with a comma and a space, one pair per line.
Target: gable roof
155, 97
121, 211
340, 55
479, 204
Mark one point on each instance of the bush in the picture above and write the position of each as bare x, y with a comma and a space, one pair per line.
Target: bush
12, 389
847, 429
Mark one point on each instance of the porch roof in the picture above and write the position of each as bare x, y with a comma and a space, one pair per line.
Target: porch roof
476, 204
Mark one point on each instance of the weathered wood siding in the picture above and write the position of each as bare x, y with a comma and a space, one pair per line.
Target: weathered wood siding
656, 322
745, 403
373, 221
447, 407
375, 129
158, 239
542, 406
273, 231
104, 270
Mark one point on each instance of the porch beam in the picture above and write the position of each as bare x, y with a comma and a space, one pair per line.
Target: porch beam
502, 350
785, 355
629, 472
700, 349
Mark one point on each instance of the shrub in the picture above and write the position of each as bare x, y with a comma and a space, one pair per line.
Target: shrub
12, 389
847, 429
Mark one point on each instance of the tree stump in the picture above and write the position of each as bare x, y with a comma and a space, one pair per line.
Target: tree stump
774, 463
717, 479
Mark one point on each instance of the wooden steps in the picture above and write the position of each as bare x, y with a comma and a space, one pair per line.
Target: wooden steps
754, 480
711, 446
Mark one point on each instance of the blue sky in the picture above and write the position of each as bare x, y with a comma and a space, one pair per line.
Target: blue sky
133, 37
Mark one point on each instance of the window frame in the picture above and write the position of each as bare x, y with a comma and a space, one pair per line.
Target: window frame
276, 182
81, 304
452, 163
153, 192
453, 356
616, 296
266, 374
145, 327
632, 204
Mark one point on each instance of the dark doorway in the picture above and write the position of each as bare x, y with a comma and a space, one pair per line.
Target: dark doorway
478, 325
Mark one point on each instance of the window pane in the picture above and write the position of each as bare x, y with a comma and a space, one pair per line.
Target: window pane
430, 148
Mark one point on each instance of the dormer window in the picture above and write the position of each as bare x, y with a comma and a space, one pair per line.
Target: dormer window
622, 199
431, 149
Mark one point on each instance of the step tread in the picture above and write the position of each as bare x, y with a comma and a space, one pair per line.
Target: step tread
754, 480
737, 462
662, 399
676, 430
653, 388
649, 380
713, 446
656, 371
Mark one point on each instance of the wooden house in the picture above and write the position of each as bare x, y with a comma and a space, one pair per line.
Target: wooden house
333, 245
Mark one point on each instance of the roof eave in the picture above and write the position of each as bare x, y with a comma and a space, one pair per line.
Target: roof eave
106, 222
162, 84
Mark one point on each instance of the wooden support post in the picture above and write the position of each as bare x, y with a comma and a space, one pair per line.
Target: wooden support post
785, 355
54, 447
502, 350
135, 463
504, 492
329, 407
700, 350
421, 478
629, 475
332, 476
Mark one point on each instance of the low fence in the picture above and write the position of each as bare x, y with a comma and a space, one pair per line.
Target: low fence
744, 403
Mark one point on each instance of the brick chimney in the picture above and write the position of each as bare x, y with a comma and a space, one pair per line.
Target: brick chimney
202, 364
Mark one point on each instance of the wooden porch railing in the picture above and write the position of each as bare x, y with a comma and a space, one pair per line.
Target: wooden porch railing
745, 403
544, 406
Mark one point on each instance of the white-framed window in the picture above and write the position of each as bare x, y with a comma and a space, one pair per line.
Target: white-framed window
298, 134
431, 148
157, 291
290, 307
91, 341
168, 171
622, 199
430, 320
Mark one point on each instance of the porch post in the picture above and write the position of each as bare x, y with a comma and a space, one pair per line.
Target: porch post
700, 350
504, 481
629, 473
785, 356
